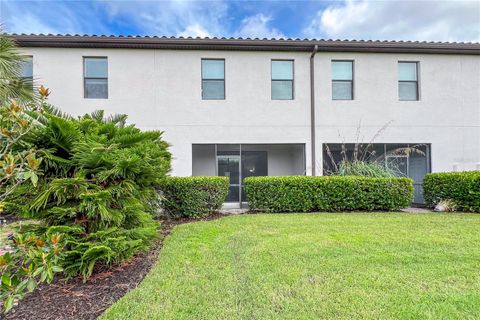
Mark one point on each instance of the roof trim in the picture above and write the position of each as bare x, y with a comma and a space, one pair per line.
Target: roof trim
181, 43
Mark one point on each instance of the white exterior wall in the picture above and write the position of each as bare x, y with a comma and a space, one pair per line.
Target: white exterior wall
447, 115
161, 89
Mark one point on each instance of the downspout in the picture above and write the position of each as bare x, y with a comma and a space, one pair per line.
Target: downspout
312, 107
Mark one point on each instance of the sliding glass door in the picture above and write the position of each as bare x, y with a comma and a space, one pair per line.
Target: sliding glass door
229, 166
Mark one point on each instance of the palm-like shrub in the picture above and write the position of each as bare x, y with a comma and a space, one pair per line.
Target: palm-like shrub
98, 186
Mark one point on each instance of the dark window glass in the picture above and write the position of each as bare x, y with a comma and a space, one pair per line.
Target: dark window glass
95, 77
96, 88
282, 80
213, 79
342, 80
408, 81
26, 72
406, 160
27, 68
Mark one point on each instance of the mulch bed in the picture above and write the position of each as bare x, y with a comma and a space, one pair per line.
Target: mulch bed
81, 301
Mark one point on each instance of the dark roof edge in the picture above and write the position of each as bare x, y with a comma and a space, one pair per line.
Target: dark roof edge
76, 41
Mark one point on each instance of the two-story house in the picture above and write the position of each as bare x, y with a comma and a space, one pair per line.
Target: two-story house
249, 107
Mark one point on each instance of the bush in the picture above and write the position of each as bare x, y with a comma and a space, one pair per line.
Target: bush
33, 260
327, 193
193, 196
463, 188
97, 186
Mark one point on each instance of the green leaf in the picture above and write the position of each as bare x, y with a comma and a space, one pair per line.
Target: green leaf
34, 179
8, 304
6, 279
31, 284
44, 275
57, 269
38, 271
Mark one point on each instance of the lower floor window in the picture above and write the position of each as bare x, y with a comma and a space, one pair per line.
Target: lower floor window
405, 160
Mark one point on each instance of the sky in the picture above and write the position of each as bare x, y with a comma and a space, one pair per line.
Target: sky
342, 19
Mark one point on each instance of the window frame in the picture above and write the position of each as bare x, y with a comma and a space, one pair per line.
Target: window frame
351, 81
292, 80
224, 77
417, 82
31, 59
85, 77
28, 79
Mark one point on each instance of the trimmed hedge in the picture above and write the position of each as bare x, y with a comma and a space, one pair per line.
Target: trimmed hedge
327, 193
461, 187
193, 196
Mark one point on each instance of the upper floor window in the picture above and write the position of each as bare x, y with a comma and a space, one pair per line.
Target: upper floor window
282, 79
342, 80
213, 79
408, 81
95, 73
26, 71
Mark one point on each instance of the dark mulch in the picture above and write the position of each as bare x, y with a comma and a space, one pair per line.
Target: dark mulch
81, 301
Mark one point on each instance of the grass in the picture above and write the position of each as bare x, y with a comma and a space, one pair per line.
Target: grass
314, 266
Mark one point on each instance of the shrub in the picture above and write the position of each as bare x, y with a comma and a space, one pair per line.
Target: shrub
327, 193
463, 188
33, 260
97, 186
193, 196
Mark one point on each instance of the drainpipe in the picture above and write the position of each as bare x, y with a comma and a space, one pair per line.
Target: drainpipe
312, 107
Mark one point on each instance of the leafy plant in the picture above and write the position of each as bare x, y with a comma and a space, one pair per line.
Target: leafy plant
19, 161
327, 193
33, 260
12, 85
98, 186
193, 196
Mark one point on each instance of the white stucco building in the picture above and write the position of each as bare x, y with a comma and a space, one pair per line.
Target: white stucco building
242, 107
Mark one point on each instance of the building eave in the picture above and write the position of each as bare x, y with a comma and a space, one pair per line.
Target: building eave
239, 44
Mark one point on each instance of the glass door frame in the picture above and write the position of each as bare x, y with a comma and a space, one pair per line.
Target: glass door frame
239, 169
238, 185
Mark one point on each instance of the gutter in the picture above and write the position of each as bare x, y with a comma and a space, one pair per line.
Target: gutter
312, 108
181, 43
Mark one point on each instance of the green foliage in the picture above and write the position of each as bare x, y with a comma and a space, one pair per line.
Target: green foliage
98, 186
193, 196
12, 85
327, 193
463, 188
33, 260
365, 169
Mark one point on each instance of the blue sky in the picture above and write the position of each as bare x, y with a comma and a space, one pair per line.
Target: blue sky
342, 19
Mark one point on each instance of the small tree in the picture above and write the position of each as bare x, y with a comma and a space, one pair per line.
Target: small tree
18, 159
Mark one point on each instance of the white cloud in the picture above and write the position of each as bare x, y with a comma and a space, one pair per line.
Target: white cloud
172, 18
50, 17
398, 20
194, 30
29, 24
257, 26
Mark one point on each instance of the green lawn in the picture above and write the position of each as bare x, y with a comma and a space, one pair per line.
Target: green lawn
314, 266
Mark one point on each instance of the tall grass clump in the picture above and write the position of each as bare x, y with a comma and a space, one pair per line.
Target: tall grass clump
365, 169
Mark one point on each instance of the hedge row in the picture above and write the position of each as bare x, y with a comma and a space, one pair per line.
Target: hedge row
461, 187
193, 196
332, 193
